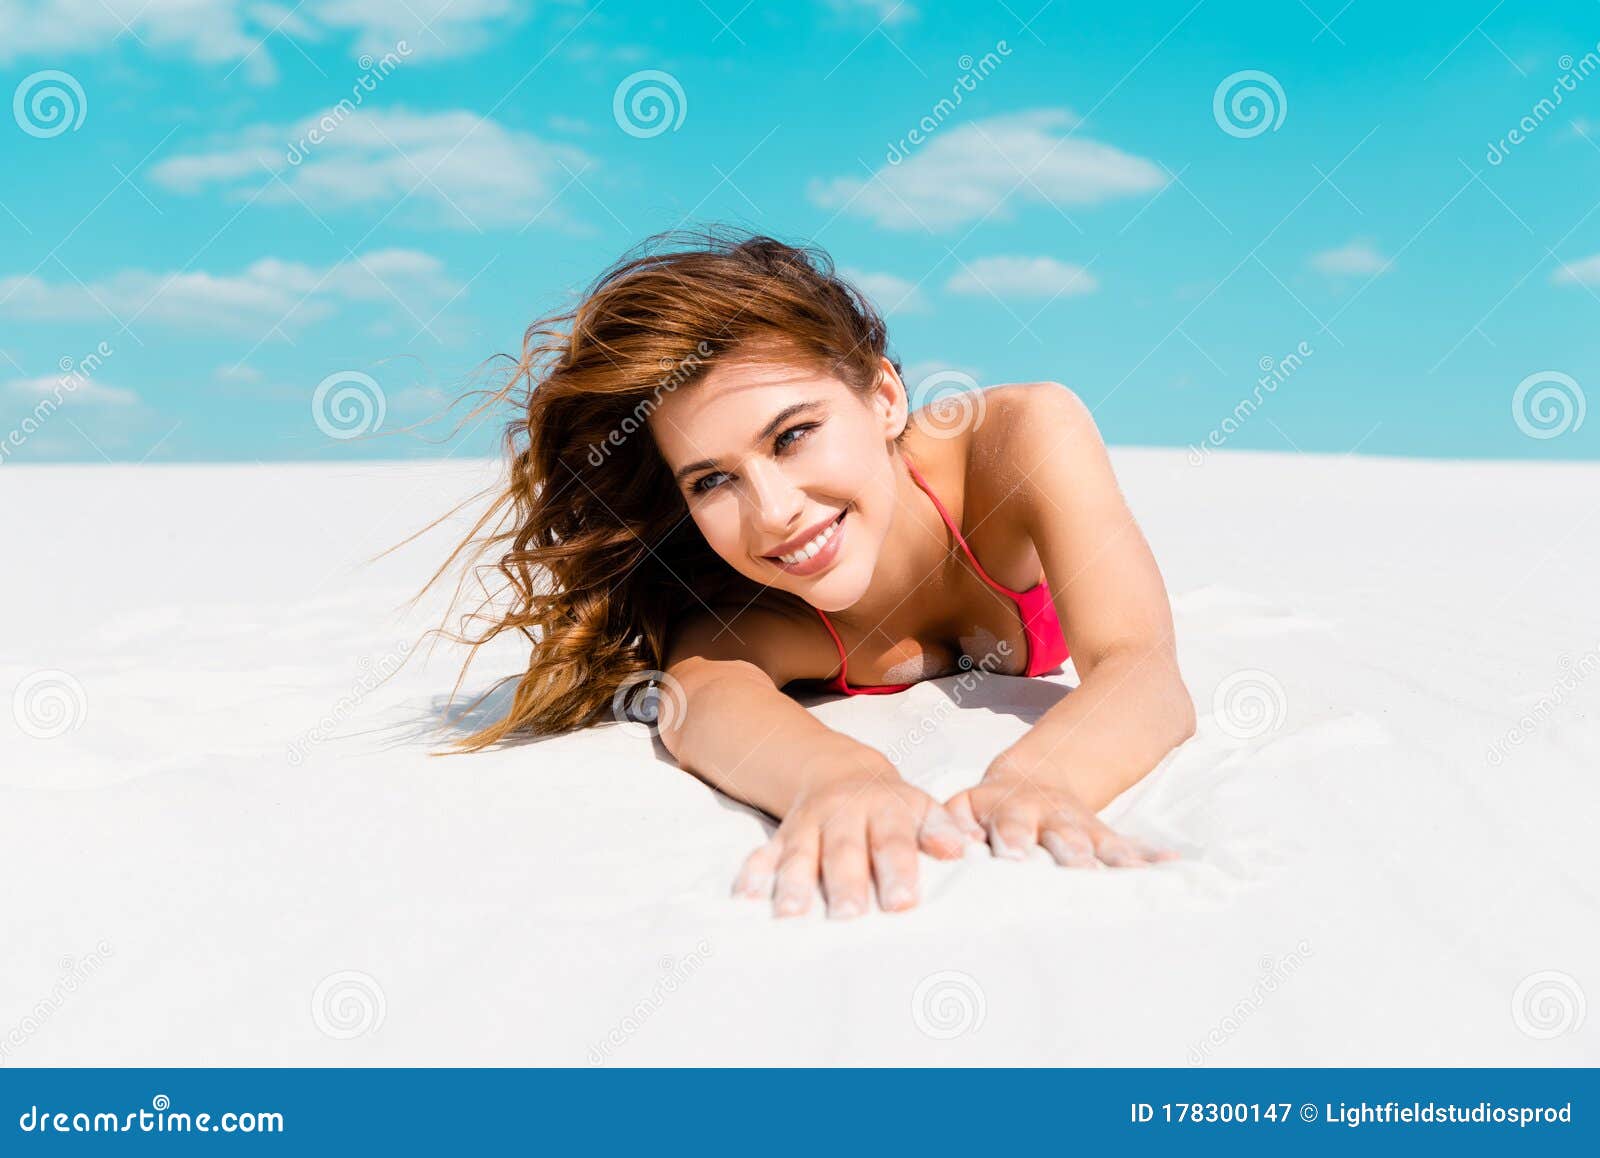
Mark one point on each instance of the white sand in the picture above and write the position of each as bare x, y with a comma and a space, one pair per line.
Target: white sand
1362, 885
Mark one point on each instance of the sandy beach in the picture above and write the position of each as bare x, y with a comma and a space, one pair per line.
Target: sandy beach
226, 841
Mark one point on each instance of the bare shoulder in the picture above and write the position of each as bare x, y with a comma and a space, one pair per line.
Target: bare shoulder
1032, 435
782, 638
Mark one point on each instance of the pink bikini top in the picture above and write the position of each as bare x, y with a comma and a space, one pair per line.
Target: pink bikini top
1041, 628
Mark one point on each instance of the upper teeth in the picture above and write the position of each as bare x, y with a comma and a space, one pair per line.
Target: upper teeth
812, 547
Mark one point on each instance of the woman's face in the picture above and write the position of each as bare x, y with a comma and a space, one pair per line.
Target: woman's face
771, 458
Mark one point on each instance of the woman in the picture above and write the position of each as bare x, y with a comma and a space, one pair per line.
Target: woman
716, 484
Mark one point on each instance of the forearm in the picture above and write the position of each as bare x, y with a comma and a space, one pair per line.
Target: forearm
1126, 715
756, 744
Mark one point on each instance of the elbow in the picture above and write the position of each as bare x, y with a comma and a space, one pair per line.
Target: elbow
1184, 713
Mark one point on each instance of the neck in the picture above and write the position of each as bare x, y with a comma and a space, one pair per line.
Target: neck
912, 565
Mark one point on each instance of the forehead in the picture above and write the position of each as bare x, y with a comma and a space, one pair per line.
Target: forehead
723, 411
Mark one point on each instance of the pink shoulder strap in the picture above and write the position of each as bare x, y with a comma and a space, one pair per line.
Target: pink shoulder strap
956, 531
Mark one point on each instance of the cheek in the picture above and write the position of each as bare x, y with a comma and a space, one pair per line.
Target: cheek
719, 525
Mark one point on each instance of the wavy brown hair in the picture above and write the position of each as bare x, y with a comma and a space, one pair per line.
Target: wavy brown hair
589, 531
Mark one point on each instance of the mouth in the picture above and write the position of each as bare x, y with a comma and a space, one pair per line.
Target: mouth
816, 551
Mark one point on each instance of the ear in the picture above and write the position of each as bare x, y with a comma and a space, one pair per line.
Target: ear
889, 401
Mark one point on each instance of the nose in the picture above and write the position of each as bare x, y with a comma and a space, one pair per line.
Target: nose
776, 503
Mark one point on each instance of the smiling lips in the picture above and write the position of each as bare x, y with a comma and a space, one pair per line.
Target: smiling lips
814, 551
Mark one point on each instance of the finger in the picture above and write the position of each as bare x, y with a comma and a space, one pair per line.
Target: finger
1115, 850
960, 809
939, 834
844, 866
797, 875
756, 876
1152, 854
1071, 846
892, 841
1012, 832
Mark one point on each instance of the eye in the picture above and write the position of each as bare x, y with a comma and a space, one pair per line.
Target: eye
699, 487
800, 432
704, 484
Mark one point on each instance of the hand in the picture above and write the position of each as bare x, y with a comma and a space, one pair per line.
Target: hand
846, 830
1018, 812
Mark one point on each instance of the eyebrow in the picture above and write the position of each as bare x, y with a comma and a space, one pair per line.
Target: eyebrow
778, 420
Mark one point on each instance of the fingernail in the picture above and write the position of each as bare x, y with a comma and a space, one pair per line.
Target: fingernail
845, 909
1004, 850
899, 896
788, 904
754, 887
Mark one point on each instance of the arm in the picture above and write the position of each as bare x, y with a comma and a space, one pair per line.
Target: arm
1131, 707
847, 818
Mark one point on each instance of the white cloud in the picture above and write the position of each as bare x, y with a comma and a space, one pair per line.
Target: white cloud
1041, 277
268, 293
890, 12
1584, 271
970, 171
227, 32
889, 292
66, 386
1358, 258
467, 171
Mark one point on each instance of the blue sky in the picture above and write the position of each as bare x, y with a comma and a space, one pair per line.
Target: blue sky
1389, 217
